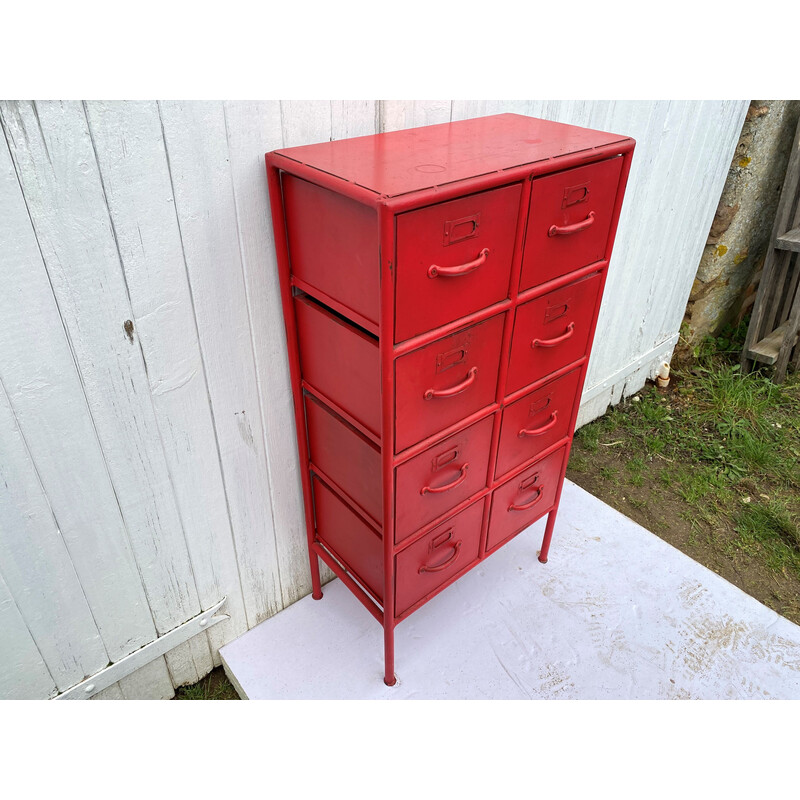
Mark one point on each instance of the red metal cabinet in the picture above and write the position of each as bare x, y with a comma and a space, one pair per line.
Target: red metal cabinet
440, 289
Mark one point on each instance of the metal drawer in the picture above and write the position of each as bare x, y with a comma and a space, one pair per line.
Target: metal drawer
521, 500
437, 557
345, 456
536, 421
552, 331
333, 245
351, 540
340, 361
446, 381
569, 220
453, 259
441, 477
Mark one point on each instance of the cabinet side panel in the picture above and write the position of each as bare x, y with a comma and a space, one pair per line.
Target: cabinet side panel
333, 245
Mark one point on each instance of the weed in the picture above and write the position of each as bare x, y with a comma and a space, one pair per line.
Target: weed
608, 474
666, 478
215, 686
654, 443
578, 463
635, 466
770, 529
588, 436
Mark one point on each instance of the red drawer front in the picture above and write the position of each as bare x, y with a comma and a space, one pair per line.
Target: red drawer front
333, 245
524, 498
345, 456
447, 380
341, 361
568, 221
536, 421
440, 555
454, 258
348, 537
552, 331
441, 477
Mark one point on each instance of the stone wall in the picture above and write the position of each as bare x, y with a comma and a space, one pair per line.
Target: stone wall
724, 287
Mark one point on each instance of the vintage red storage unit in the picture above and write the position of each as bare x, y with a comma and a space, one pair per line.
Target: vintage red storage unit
440, 289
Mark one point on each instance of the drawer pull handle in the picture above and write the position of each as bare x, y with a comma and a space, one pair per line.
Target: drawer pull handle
537, 431
446, 563
462, 476
566, 230
435, 271
526, 506
553, 342
453, 390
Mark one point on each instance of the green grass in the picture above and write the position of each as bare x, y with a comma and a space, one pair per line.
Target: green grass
579, 463
608, 474
215, 686
770, 531
721, 440
635, 467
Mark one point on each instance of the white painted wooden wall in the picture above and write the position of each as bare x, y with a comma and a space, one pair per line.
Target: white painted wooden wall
147, 456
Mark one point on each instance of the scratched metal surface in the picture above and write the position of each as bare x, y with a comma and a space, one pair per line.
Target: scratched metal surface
617, 613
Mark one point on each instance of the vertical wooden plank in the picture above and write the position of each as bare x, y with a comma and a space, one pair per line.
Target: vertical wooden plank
126, 137
469, 109
150, 682
621, 316
112, 693
399, 114
37, 568
254, 129
51, 409
202, 183
629, 272
23, 673
305, 122
353, 118
711, 149
56, 163
683, 230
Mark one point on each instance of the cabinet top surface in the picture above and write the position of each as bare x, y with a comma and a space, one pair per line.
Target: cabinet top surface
391, 164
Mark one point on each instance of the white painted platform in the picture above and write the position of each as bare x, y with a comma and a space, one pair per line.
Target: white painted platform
617, 613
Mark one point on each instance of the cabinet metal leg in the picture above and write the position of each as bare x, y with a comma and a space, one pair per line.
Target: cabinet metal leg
316, 581
388, 651
548, 535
